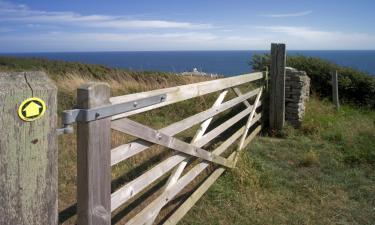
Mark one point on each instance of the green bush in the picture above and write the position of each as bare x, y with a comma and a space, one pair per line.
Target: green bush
355, 87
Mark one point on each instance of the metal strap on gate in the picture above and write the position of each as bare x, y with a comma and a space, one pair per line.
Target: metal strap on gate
86, 115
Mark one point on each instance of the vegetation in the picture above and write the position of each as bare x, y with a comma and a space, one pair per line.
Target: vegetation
321, 173
70, 75
355, 87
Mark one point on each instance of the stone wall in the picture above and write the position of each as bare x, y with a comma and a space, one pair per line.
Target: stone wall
297, 92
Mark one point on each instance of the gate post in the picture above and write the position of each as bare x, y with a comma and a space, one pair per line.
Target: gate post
93, 159
277, 87
28, 149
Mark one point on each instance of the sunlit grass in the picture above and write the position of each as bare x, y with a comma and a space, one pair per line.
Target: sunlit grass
319, 174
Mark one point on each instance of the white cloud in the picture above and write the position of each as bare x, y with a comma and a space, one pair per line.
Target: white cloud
176, 37
256, 38
301, 32
22, 14
84, 41
310, 33
296, 14
300, 37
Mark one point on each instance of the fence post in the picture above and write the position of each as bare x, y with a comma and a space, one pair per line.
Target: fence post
277, 87
28, 149
335, 90
93, 160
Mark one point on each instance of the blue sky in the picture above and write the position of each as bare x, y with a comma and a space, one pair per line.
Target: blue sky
114, 25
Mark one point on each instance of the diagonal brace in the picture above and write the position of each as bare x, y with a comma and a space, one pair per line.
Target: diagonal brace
149, 134
238, 92
247, 126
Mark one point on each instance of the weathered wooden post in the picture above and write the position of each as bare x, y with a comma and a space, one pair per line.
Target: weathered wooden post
28, 149
277, 87
335, 90
93, 161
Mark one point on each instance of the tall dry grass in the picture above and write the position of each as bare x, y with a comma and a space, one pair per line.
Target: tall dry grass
120, 84
125, 84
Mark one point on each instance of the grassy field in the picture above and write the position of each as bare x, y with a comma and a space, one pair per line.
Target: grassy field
322, 173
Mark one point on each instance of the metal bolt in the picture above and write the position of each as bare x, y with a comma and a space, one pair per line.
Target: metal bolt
97, 115
135, 104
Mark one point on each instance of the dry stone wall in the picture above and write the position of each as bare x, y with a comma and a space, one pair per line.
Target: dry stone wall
297, 92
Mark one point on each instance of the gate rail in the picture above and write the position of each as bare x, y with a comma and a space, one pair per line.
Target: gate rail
98, 114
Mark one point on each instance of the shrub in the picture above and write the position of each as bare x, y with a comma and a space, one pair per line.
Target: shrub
355, 86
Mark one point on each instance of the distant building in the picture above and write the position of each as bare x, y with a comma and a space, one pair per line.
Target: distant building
196, 72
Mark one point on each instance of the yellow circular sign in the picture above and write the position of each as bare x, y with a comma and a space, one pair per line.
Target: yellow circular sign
31, 109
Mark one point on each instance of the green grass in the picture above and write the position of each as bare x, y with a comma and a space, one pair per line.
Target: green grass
322, 173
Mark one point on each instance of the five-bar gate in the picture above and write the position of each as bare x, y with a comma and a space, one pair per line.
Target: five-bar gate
97, 114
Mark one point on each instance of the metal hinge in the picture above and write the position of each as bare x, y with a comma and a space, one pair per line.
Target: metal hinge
67, 129
85, 115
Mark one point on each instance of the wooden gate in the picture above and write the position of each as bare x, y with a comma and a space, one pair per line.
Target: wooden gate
97, 114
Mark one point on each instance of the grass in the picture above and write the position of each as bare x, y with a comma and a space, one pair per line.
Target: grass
321, 173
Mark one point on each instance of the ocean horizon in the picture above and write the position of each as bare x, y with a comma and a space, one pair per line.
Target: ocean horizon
223, 62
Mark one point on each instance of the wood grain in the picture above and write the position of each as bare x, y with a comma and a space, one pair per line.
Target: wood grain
28, 152
181, 93
277, 87
93, 161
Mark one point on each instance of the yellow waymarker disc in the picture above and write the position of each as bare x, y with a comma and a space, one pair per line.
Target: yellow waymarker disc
31, 109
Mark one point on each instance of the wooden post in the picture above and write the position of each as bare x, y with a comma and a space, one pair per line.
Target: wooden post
93, 161
335, 90
28, 152
277, 87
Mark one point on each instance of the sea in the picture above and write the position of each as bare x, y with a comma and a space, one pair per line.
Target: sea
227, 63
